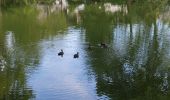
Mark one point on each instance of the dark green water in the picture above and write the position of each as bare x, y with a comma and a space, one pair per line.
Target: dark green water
135, 66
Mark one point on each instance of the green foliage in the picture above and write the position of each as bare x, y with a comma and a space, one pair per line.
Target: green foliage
6, 3
45, 1
26, 2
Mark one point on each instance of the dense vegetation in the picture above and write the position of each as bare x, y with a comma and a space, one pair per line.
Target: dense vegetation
23, 2
4, 3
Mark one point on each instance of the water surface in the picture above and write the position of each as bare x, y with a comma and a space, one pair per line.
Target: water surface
134, 66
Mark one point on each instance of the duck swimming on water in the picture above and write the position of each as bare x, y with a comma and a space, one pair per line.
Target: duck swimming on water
61, 53
76, 55
103, 45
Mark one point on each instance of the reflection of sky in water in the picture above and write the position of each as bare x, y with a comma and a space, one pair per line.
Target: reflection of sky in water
123, 43
120, 40
10, 46
10, 40
63, 78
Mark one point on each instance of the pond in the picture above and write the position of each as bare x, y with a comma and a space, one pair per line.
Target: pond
133, 64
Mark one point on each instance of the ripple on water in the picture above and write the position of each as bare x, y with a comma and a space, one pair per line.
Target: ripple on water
62, 78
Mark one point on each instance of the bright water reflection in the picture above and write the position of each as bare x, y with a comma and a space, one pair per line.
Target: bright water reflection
64, 77
134, 66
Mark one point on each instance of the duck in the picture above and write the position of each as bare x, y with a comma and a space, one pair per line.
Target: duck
103, 45
76, 55
61, 53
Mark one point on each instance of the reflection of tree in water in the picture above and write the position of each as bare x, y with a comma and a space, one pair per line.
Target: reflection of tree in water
96, 19
20, 48
14, 76
134, 68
